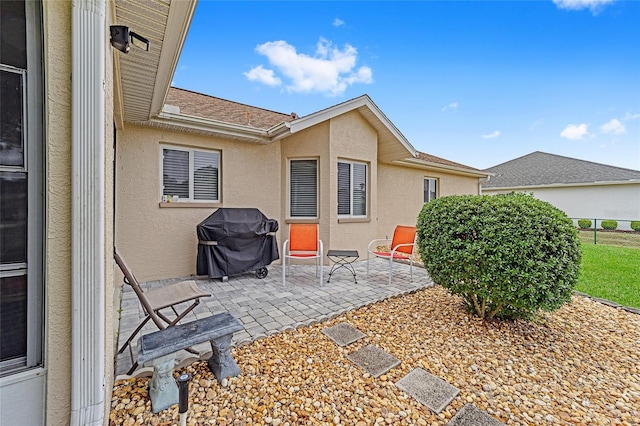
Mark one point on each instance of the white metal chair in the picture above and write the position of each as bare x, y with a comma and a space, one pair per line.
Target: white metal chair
401, 247
303, 243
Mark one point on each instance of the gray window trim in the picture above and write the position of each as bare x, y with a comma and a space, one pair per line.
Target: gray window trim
427, 194
33, 146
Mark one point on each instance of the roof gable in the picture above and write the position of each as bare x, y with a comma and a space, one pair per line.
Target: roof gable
392, 145
541, 168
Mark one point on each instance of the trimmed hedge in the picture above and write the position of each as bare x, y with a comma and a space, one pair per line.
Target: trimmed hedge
584, 223
609, 224
508, 256
635, 225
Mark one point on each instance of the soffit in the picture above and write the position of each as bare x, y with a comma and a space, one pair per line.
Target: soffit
145, 77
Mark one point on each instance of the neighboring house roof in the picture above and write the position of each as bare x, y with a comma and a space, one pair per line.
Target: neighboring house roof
543, 169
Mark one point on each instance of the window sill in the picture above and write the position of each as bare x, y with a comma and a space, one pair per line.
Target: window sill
311, 220
354, 220
186, 204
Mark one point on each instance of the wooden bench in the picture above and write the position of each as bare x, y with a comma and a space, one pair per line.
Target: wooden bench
161, 347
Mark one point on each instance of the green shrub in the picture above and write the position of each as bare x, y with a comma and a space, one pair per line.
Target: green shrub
635, 225
508, 256
584, 223
609, 224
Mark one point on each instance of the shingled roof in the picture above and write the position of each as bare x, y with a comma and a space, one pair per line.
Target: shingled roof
433, 159
210, 107
541, 168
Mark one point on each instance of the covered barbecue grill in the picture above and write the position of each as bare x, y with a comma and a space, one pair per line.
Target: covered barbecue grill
234, 241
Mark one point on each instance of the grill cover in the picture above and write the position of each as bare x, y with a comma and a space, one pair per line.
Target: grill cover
235, 240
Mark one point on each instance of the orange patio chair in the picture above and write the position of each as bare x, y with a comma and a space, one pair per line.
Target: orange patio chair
401, 247
304, 243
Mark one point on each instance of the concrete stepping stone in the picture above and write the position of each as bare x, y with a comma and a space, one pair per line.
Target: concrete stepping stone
470, 415
373, 360
428, 389
343, 334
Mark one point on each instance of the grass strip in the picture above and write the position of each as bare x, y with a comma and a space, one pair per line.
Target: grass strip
611, 273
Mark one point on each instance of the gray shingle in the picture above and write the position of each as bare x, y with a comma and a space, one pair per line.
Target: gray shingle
541, 168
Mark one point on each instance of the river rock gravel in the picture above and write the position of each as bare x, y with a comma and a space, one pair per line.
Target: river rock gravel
577, 365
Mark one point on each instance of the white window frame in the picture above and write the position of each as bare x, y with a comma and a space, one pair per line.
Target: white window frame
289, 188
427, 194
366, 183
190, 151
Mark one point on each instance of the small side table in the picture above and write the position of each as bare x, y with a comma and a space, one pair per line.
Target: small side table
343, 259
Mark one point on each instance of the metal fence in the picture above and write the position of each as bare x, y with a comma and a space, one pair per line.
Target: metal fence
599, 227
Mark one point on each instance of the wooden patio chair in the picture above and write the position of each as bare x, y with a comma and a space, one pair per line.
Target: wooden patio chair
158, 299
303, 243
401, 247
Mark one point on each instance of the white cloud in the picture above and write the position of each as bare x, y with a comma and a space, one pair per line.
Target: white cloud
629, 116
574, 132
263, 75
593, 5
331, 70
452, 105
338, 22
492, 135
613, 126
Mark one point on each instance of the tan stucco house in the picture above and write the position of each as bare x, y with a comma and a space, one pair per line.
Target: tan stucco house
346, 168
98, 150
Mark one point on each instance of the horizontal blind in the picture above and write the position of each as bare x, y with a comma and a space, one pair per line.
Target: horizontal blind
344, 188
205, 175
303, 178
175, 173
359, 189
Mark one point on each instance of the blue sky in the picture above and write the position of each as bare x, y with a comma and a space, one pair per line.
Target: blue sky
476, 82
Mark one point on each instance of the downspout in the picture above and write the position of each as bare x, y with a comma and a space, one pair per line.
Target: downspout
481, 181
87, 212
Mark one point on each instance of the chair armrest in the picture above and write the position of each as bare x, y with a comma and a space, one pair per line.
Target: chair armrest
394, 249
387, 240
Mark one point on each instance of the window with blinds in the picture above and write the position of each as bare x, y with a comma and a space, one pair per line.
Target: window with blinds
352, 189
430, 189
303, 188
190, 174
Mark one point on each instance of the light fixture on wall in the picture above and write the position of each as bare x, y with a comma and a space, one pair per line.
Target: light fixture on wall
122, 39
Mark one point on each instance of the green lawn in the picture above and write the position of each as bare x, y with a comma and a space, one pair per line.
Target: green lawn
611, 273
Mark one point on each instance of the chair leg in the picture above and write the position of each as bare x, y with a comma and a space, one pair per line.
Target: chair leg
134, 334
284, 271
367, 263
320, 265
390, 268
411, 267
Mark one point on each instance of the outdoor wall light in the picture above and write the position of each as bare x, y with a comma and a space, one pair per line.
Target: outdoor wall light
122, 39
